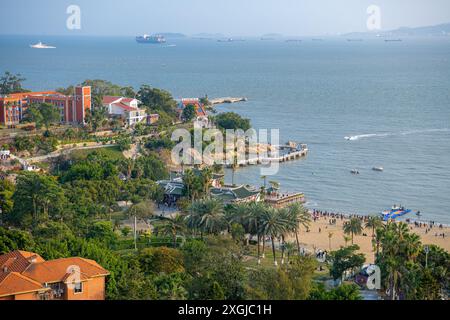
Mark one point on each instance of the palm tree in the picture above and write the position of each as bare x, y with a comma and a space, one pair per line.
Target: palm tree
330, 235
234, 166
213, 217
373, 222
188, 179
300, 217
290, 249
353, 226
265, 181
207, 216
254, 221
128, 166
173, 226
206, 180
273, 224
289, 227
347, 239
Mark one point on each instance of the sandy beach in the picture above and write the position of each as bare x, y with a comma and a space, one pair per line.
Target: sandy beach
317, 237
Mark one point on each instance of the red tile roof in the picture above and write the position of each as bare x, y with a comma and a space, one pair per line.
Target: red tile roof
110, 99
56, 270
22, 271
15, 283
18, 261
125, 107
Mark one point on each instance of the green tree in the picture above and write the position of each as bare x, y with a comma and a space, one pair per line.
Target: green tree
172, 226
374, 222
161, 260
103, 231
6, 198
50, 114
188, 113
157, 100
207, 216
37, 197
345, 259
299, 216
231, 120
273, 224
343, 292
11, 83
124, 142
353, 226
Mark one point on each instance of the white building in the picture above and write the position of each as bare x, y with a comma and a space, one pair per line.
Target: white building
127, 108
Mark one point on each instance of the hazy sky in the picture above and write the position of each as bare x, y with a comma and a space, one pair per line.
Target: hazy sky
229, 17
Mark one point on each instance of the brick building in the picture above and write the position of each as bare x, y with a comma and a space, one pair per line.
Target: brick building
27, 276
73, 108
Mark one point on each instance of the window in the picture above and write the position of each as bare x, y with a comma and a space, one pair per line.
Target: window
78, 287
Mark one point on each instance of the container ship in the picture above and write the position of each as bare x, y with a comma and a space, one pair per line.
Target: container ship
150, 39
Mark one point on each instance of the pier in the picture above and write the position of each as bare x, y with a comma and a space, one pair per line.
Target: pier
227, 100
285, 153
281, 200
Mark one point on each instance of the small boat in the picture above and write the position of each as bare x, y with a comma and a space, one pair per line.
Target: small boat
41, 45
355, 171
380, 169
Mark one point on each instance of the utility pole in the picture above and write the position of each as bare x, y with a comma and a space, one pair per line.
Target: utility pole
135, 233
427, 250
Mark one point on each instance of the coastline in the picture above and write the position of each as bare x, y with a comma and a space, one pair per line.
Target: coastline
318, 236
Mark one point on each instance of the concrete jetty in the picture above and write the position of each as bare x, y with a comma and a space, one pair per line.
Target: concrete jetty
285, 153
227, 100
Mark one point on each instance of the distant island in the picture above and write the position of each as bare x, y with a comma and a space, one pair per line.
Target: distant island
426, 31
172, 35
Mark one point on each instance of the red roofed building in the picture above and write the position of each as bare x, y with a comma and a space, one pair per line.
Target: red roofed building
72, 108
126, 108
199, 108
27, 276
202, 116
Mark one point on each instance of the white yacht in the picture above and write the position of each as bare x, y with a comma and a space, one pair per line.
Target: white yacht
41, 45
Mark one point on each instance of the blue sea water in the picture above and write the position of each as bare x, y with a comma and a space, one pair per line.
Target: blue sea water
392, 98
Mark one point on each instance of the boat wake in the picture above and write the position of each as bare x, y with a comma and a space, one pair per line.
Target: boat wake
389, 134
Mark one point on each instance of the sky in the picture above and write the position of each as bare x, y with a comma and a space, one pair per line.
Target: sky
227, 17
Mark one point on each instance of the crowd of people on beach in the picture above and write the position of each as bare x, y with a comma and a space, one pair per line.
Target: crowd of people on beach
334, 217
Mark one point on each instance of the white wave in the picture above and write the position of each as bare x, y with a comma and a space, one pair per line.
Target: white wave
404, 133
311, 204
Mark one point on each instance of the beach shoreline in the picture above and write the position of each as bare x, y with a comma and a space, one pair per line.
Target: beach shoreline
317, 238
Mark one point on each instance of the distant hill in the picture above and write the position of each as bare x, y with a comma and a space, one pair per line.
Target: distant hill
172, 35
208, 35
437, 30
272, 36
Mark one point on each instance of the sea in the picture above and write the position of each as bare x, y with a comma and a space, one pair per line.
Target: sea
357, 104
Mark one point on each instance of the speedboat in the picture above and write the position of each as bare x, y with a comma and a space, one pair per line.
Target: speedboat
355, 171
380, 169
41, 45
394, 212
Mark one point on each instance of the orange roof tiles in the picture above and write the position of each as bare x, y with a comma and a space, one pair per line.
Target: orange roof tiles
14, 282
56, 270
22, 271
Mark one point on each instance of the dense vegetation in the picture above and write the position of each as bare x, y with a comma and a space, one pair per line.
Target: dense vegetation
208, 251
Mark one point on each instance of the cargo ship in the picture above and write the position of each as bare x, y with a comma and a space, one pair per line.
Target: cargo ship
156, 39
